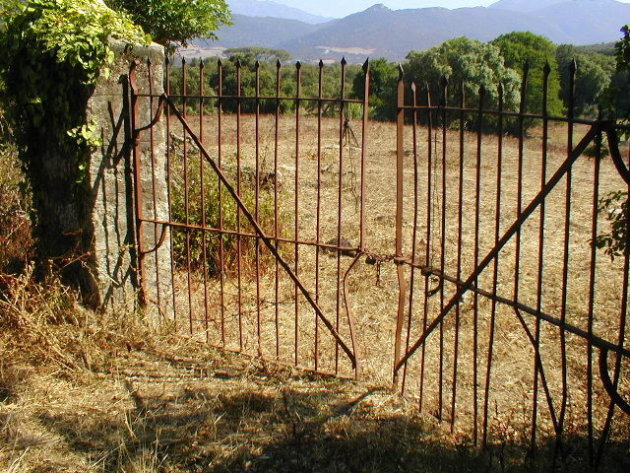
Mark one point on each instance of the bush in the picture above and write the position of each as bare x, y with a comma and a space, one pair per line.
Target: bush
227, 210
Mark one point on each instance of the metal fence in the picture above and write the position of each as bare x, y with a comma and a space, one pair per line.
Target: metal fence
458, 254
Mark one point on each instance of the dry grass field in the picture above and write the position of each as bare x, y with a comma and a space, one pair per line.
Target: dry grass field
87, 393
449, 381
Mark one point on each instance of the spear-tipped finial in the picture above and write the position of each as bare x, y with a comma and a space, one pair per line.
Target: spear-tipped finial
278, 64
413, 87
401, 72
366, 65
238, 63
219, 63
298, 65
257, 64
343, 61
321, 63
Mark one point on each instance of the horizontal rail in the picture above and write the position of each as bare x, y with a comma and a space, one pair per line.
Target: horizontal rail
279, 239
227, 98
594, 340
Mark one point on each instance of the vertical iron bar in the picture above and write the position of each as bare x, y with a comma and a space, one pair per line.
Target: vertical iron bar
478, 186
276, 222
591, 297
416, 179
444, 104
318, 223
495, 276
238, 210
460, 223
203, 203
169, 185
222, 274
187, 195
566, 249
366, 112
429, 212
342, 110
257, 205
298, 69
400, 154
541, 260
519, 178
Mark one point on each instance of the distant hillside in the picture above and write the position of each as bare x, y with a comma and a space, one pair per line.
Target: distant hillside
265, 32
265, 8
381, 32
393, 33
587, 21
608, 49
524, 5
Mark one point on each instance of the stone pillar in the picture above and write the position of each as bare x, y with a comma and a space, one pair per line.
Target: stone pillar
111, 169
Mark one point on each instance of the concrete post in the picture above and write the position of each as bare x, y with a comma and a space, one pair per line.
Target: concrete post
114, 247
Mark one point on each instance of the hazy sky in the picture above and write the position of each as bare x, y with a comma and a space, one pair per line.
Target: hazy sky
340, 8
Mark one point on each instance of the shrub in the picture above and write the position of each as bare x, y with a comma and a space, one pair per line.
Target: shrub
216, 209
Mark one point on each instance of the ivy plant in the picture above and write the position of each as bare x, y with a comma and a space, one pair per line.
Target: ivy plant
52, 52
616, 205
43, 41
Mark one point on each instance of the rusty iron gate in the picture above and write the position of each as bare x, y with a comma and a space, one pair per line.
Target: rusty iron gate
456, 253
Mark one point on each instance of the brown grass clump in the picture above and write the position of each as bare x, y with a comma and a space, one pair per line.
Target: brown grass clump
15, 229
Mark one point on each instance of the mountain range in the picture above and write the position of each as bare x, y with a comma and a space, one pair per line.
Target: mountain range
382, 32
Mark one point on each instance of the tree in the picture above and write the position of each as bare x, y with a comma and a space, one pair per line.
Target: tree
622, 49
592, 79
469, 64
383, 82
520, 48
176, 21
616, 205
260, 53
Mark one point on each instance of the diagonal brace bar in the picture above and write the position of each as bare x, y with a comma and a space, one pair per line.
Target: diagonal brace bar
261, 233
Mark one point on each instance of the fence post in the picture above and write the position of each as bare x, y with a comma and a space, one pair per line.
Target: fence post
128, 278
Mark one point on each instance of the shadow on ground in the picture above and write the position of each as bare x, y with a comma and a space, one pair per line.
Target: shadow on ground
236, 424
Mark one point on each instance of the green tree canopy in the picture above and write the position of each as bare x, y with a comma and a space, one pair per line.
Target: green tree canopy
176, 21
593, 77
383, 81
520, 48
259, 53
468, 62
622, 48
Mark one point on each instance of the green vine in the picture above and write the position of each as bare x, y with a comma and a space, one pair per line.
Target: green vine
52, 53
